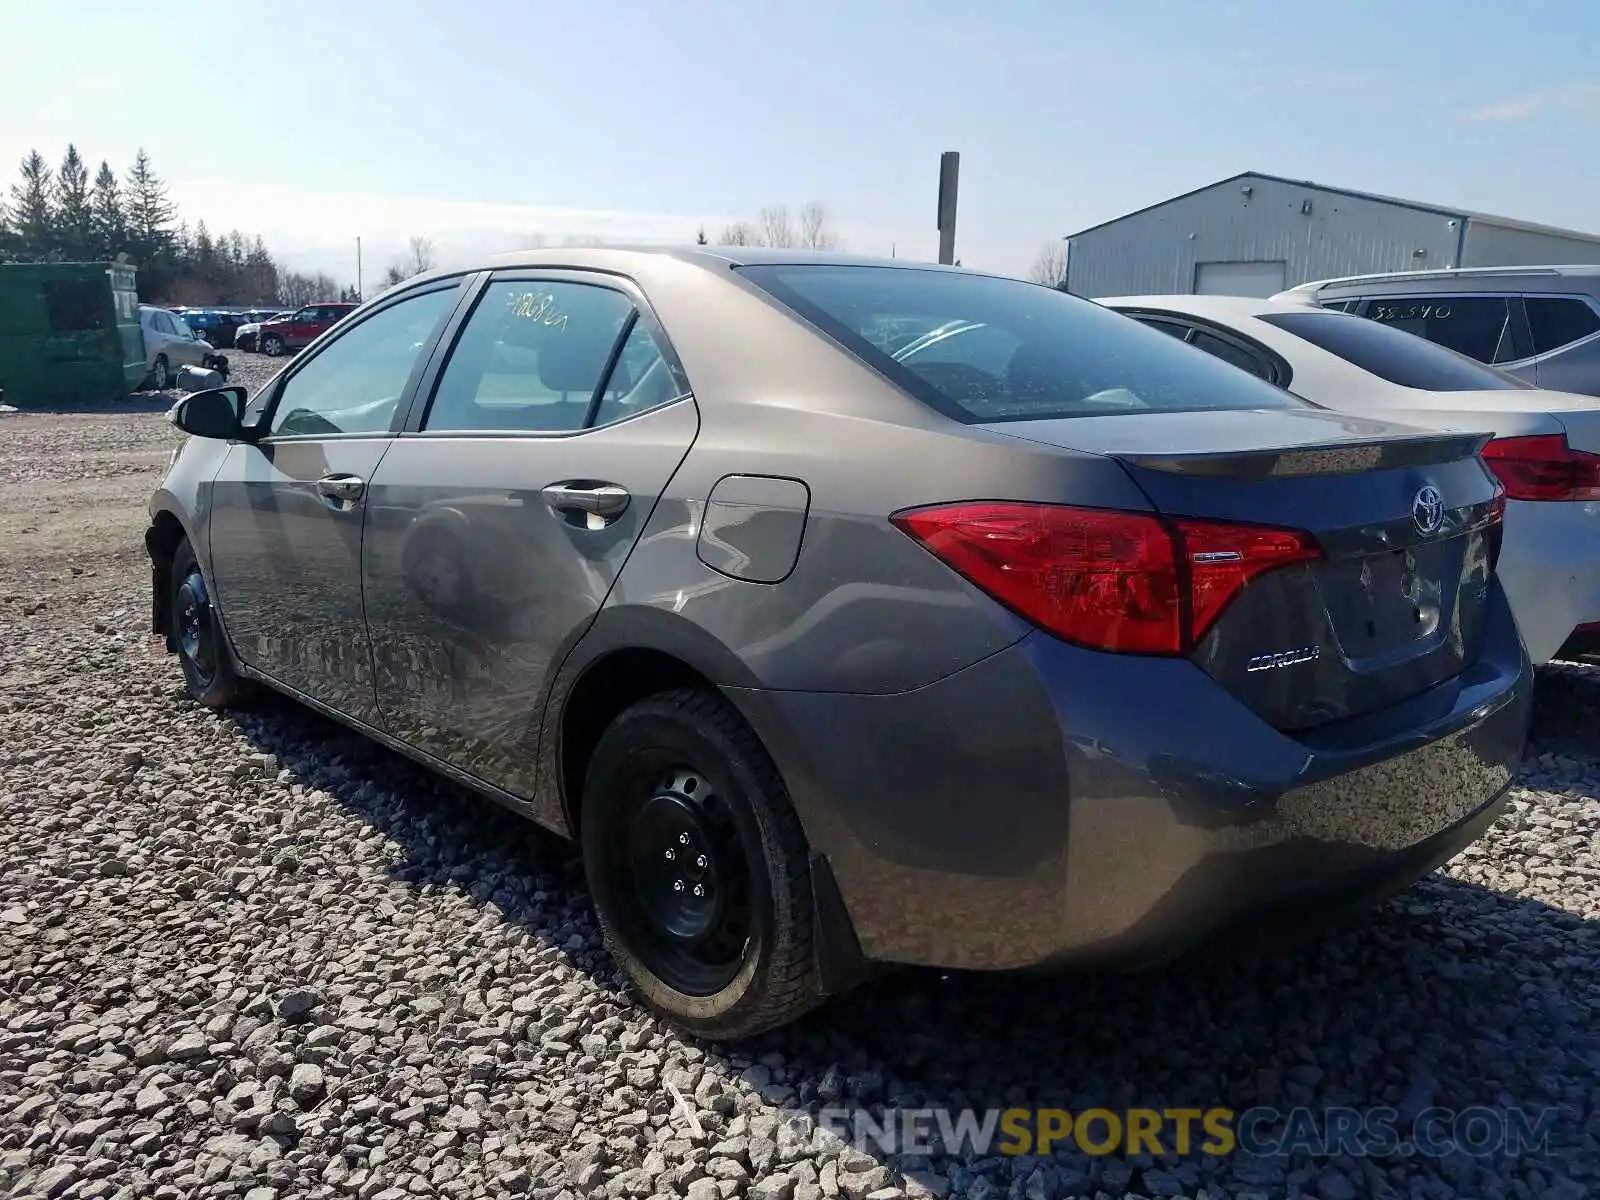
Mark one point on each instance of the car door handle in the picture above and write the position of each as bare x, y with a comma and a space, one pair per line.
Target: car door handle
346, 489
604, 500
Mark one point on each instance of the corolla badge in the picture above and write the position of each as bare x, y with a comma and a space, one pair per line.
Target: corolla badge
1283, 658
1427, 510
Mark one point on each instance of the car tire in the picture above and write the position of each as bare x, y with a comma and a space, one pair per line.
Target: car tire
698, 867
160, 374
272, 345
197, 636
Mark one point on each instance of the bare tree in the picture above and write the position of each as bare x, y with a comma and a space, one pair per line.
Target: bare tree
776, 229
816, 233
1050, 264
421, 255
582, 239
740, 233
531, 241
296, 289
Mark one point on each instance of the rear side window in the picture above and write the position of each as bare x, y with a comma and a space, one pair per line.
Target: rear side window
1230, 353
1557, 321
1390, 354
980, 348
75, 305
533, 356
1477, 326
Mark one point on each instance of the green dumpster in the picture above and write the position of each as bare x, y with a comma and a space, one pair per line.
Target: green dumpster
69, 333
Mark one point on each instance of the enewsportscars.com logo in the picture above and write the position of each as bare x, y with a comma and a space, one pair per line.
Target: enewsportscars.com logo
1480, 1132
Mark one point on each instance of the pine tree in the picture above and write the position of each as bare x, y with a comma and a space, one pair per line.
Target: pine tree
32, 214
149, 212
105, 210
700, 238
74, 220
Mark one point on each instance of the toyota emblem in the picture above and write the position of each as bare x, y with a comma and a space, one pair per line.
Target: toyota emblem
1427, 510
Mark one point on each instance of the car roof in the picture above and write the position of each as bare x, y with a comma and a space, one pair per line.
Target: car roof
624, 259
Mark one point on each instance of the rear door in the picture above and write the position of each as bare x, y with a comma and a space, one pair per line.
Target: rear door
536, 449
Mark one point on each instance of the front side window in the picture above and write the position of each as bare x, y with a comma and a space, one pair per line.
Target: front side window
1556, 321
1477, 326
531, 358
354, 383
1391, 354
1032, 352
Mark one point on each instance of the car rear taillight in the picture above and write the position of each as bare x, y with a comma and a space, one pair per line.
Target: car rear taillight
1121, 581
1543, 467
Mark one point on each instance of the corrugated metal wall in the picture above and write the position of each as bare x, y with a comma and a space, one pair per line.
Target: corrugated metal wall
1157, 251
1491, 245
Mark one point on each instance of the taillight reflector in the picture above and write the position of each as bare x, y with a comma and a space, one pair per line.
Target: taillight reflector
1543, 467
1127, 582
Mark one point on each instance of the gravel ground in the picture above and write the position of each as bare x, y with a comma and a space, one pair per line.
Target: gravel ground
255, 956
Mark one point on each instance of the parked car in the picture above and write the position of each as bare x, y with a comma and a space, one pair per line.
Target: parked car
170, 343
301, 327
1541, 324
246, 336
1083, 647
216, 326
1545, 452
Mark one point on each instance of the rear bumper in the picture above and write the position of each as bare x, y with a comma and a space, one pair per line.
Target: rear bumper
1054, 805
1550, 569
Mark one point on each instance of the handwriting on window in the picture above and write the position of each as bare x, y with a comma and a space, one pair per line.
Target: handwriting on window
537, 306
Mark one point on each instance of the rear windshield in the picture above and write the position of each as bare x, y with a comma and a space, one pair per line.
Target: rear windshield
980, 348
1392, 354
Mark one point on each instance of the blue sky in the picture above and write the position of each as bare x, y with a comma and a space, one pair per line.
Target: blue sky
481, 124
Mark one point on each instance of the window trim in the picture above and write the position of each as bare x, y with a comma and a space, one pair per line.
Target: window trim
269, 398
445, 347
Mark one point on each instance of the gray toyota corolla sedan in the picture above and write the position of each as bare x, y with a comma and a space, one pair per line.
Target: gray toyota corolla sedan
839, 640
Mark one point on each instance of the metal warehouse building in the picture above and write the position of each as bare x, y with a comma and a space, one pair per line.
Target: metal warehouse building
1253, 235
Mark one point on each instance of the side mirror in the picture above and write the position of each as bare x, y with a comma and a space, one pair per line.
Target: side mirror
213, 413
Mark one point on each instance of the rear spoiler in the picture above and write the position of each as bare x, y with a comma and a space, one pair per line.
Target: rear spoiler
1341, 458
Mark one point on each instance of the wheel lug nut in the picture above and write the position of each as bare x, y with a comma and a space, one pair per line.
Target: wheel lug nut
677, 885
683, 839
698, 890
700, 861
671, 855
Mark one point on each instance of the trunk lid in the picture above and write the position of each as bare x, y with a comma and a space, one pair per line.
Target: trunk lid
1396, 604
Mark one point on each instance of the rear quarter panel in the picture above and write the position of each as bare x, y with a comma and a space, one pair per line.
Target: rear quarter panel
865, 609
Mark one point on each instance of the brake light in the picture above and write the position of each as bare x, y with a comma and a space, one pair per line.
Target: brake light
1119, 581
1543, 467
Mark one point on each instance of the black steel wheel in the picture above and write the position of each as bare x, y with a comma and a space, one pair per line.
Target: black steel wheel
699, 868
687, 904
195, 635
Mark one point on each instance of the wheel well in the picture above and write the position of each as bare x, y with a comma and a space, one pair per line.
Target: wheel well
162, 540
616, 682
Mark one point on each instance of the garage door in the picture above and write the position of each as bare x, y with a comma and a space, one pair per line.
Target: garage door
1238, 278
